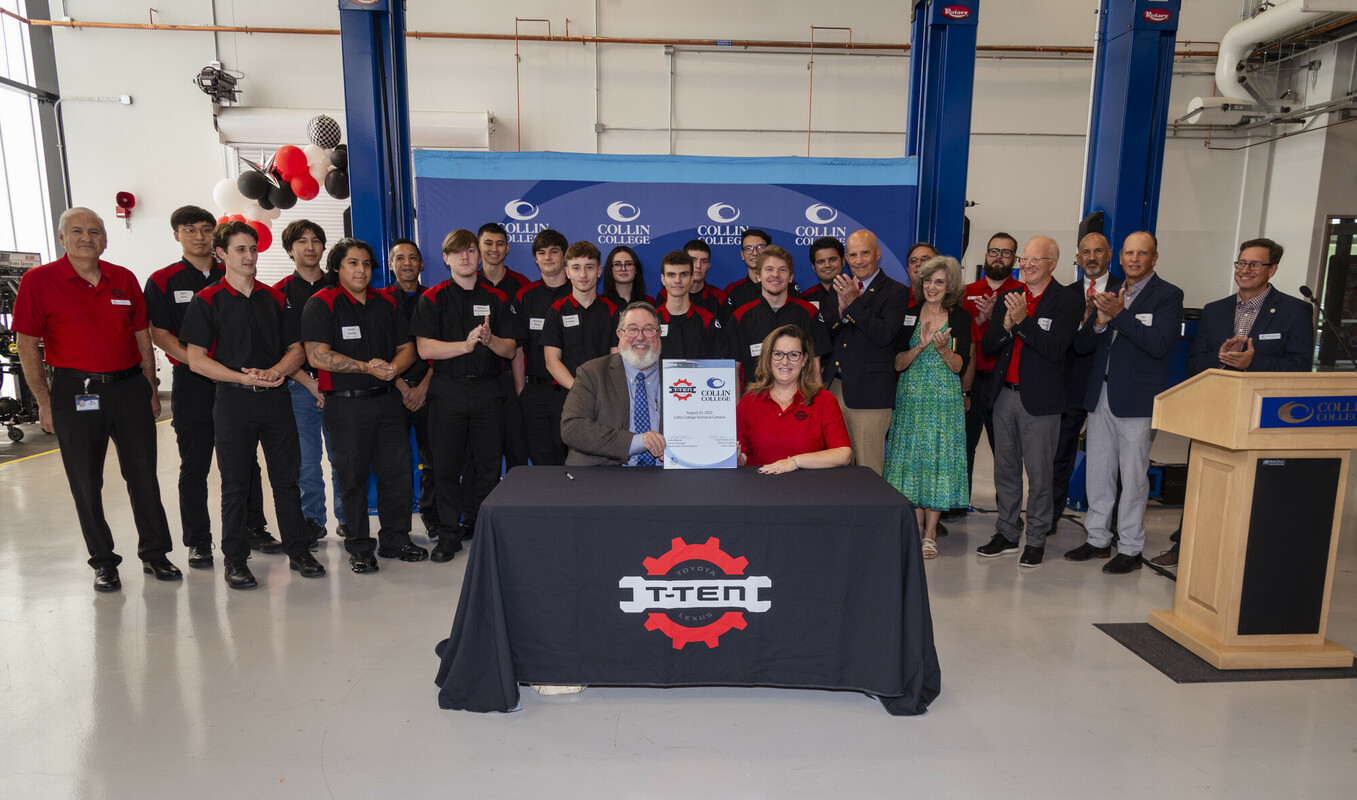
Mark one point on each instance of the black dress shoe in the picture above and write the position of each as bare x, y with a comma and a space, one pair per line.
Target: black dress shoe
409, 552
238, 575
342, 530
363, 563
314, 532
996, 546
307, 565
106, 579
1032, 556
162, 569
942, 530
448, 546
953, 514
1086, 551
468, 530
200, 556
431, 525
260, 539
1122, 563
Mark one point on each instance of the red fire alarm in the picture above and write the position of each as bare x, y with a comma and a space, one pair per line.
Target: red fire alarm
125, 201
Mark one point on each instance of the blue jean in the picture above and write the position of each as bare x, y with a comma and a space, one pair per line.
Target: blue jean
311, 431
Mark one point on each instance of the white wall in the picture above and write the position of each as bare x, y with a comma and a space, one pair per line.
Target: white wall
163, 147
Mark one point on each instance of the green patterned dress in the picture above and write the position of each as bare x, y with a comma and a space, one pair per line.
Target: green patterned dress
926, 446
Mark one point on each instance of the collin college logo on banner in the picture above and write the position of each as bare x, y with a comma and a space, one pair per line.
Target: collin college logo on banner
520, 225
623, 229
691, 593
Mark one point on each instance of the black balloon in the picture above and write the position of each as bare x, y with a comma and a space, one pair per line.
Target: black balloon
282, 196
253, 184
337, 183
265, 203
339, 157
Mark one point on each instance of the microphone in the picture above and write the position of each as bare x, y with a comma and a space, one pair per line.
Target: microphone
1337, 332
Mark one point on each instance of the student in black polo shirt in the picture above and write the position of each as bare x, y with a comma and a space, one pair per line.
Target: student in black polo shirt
580, 326
358, 342
826, 258
540, 397
775, 307
238, 334
407, 264
471, 332
748, 289
168, 293
686, 330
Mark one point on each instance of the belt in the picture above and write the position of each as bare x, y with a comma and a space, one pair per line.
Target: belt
373, 392
245, 387
100, 377
539, 379
1010, 385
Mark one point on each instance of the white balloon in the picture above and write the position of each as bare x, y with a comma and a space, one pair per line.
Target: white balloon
272, 214
265, 221
314, 153
318, 171
228, 198
256, 214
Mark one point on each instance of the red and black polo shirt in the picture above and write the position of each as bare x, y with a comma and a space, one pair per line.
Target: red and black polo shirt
92, 328
751, 322
448, 313
170, 290
406, 303
297, 290
362, 330
510, 284
533, 303
696, 334
582, 332
746, 291
240, 330
709, 298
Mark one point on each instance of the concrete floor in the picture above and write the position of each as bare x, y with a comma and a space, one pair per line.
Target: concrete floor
324, 688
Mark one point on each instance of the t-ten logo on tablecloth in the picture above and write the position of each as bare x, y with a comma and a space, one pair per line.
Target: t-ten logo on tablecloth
691, 585
682, 389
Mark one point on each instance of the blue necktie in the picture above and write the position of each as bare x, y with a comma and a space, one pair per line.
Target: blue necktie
640, 411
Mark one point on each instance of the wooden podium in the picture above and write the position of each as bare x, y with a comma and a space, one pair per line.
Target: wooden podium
1266, 477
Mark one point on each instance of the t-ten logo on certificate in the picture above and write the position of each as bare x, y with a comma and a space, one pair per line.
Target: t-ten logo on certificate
682, 389
696, 591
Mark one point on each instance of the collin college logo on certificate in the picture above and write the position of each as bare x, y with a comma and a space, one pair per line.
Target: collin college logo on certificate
699, 414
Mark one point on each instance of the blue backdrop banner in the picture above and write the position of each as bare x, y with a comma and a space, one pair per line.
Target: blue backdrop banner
655, 204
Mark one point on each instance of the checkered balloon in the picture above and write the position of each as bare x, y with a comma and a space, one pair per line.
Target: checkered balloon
323, 131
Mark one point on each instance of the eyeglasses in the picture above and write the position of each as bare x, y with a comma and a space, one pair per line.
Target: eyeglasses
999, 251
920, 259
1250, 266
624, 263
648, 331
201, 230
753, 248
1034, 260
793, 356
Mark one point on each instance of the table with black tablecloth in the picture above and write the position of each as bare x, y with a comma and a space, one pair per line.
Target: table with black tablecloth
649, 577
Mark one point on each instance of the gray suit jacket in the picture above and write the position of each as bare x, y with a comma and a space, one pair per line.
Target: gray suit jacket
596, 420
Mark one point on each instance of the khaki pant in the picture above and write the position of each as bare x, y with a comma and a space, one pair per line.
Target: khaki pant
867, 427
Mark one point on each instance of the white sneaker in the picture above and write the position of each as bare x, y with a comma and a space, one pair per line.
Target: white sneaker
556, 688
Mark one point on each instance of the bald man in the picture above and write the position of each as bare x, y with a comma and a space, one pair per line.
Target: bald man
1028, 337
864, 309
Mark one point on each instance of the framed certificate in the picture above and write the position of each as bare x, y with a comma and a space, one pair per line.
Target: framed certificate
699, 414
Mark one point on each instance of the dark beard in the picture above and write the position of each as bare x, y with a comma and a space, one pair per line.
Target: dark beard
998, 273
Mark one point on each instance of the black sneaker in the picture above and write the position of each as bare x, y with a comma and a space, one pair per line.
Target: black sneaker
448, 546
1031, 556
363, 563
431, 525
307, 565
260, 539
343, 530
996, 546
409, 552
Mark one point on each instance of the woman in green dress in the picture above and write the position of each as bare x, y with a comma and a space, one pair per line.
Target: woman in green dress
926, 446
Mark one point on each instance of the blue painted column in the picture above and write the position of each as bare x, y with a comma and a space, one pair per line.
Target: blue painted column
381, 177
942, 80
1133, 70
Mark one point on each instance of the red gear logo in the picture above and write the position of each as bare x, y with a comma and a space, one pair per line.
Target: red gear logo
682, 389
704, 593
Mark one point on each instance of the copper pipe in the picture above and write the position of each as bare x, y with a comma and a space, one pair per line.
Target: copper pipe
810, 97
518, 96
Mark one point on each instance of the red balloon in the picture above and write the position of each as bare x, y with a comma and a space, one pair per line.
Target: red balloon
290, 161
236, 218
223, 219
305, 186
265, 235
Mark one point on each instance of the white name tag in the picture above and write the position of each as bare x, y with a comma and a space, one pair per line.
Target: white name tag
351, 332
1044, 323
535, 323
664, 330
183, 296
910, 320
570, 320
118, 302
1263, 337
755, 349
480, 311
1145, 319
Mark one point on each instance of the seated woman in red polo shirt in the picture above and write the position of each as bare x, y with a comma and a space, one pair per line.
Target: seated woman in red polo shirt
786, 421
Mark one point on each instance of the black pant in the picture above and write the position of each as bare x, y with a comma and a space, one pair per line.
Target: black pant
124, 415
515, 437
1066, 453
245, 420
428, 484
542, 403
467, 416
370, 435
191, 404
978, 417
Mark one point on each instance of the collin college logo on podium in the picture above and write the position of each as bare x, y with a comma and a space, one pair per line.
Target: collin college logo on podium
1308, 412
691, 593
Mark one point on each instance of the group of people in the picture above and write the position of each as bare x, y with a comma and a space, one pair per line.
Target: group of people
490, 368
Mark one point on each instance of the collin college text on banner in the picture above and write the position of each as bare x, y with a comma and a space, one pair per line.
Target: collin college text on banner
655, 204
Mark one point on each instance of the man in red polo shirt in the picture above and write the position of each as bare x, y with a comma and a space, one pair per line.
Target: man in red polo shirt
91, 318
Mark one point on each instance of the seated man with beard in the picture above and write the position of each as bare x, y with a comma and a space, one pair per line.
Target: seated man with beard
612, 414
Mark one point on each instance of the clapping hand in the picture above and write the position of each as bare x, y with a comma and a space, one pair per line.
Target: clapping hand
1016, 305
381, 370
1231, 354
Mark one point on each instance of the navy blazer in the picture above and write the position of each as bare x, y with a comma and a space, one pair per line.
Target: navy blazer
1078, 365
1046, 343
1136, 360
1283, 335
863, 335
